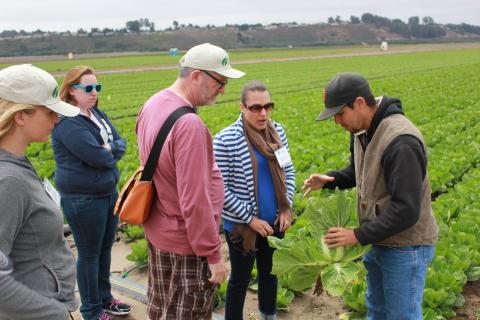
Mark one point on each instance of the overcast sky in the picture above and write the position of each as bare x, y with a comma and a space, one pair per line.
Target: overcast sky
63, 15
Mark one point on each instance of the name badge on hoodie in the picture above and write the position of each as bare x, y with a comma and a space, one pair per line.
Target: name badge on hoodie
52, 192
104, 135
108, 131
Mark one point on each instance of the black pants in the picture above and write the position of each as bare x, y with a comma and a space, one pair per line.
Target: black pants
241, 273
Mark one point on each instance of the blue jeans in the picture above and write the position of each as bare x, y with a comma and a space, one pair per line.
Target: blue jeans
93, 226
395, 281
240, 278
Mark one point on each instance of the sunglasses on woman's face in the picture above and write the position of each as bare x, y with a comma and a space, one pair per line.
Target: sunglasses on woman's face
89, 87
257, 108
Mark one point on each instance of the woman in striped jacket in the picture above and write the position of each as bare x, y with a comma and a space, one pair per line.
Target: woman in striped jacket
259, 178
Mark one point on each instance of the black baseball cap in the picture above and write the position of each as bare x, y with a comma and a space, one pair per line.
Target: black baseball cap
342, 89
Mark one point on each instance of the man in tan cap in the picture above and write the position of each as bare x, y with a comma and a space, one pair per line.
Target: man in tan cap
182, 228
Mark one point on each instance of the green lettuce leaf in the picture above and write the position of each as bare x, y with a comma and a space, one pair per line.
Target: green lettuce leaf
337, 276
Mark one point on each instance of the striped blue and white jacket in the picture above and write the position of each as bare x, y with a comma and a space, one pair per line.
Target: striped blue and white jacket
233, 159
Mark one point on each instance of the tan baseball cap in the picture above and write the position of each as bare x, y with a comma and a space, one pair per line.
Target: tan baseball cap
31, 85
209, 57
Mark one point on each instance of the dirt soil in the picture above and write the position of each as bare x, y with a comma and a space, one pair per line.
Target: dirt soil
307, 307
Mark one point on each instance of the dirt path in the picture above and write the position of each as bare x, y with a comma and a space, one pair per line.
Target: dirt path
307, 307
393, 49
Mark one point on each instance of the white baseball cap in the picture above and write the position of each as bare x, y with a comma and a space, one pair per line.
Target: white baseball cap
210, 58
31, 85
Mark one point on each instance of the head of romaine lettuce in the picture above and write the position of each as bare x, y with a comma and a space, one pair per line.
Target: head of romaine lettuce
308, 252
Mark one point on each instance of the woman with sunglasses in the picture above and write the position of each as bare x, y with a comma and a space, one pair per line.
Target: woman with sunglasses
259, 178
86, 150
42, 283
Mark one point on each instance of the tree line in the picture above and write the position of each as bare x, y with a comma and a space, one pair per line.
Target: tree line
413, 27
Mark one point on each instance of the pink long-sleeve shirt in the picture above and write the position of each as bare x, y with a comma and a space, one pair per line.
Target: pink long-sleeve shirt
185, 216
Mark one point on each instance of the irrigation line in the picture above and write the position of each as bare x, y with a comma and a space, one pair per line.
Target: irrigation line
135, 290
126, 273
138, 292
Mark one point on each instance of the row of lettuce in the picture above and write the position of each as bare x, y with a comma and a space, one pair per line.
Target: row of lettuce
303, 261
444, 104
439, 93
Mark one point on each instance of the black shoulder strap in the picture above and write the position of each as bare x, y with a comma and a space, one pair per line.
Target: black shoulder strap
152, 160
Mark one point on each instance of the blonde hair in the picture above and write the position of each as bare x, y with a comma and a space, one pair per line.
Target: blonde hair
8, 110
72, 78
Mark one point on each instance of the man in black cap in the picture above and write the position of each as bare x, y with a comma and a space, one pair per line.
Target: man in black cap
388, 167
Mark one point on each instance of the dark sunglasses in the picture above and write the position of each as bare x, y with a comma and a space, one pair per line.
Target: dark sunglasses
257, 108
221, 83
89, 87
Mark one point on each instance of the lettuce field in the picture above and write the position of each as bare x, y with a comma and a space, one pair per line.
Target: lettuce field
440, 94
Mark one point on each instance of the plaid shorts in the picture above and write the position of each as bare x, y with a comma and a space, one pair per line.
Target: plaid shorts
178, 287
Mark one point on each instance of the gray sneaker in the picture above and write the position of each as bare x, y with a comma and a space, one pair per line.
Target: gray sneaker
117, 307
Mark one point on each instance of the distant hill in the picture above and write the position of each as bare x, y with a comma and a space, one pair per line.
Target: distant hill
228, 38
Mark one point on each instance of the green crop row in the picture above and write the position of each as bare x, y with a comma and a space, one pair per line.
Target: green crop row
439, 92
148, 60
430, 95
123, 92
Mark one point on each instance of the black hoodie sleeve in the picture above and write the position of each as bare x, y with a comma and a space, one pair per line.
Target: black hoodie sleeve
405, 166
344, 178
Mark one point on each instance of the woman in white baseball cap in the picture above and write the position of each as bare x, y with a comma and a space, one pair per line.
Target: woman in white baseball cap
42, 283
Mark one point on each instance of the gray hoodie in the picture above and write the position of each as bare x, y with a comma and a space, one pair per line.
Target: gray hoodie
31, 232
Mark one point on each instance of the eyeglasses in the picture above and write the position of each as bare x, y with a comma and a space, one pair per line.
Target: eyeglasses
222, 84
257, 108
89, 87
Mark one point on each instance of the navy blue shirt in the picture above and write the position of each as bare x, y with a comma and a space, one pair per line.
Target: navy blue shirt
84, 168
267, 200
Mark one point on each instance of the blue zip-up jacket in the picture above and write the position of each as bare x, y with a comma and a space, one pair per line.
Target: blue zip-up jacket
233, 159
85, 169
